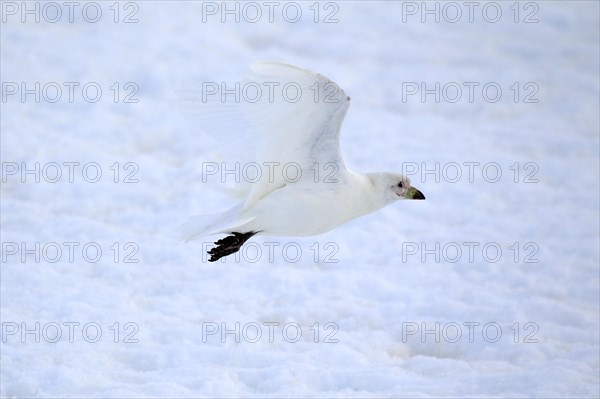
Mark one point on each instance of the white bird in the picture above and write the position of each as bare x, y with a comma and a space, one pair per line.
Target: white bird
299, 128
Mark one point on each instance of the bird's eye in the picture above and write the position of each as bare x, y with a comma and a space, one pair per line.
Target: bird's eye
400, 184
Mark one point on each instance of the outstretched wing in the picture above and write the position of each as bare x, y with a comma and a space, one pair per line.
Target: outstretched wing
297, 116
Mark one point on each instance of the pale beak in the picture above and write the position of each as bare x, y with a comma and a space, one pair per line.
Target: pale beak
413, 193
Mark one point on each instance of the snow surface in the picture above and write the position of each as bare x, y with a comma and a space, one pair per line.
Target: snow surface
376, 293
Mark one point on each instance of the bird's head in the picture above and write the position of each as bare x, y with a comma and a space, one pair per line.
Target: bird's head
396, 186
403, 189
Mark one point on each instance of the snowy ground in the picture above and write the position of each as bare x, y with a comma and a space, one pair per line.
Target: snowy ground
400, 312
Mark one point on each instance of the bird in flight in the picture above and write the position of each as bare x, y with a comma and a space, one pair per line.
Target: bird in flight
301, 128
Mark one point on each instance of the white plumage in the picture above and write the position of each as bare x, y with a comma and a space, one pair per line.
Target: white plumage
299, 127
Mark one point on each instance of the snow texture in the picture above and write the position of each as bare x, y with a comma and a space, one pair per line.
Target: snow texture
390, 291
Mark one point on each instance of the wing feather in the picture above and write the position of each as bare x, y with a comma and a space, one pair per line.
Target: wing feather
297, 119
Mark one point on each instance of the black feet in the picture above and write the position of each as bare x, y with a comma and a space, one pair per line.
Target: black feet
228, 245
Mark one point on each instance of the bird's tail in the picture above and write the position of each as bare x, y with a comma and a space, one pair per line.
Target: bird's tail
203, 225
198, 226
